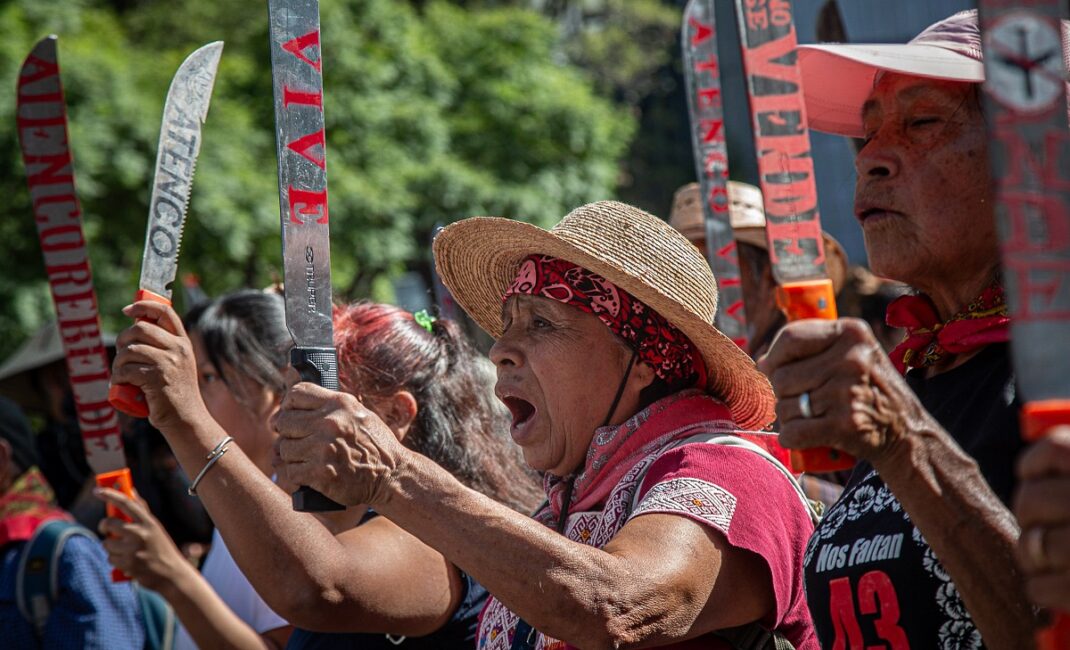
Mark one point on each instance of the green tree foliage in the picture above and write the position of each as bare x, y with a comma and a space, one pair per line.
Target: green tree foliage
434, 112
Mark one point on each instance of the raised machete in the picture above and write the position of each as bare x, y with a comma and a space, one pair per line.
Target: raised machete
297, 78
184, 112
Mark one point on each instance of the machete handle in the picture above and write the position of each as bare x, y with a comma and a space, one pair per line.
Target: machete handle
1037, 419
812, 299
807, 299
125, 397
1041, 416
117, 480
319, 366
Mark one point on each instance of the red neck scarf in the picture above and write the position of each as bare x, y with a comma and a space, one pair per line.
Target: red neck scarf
27, 504
928, 340
615, 450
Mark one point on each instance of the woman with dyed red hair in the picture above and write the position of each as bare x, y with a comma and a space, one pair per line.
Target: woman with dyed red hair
355, 578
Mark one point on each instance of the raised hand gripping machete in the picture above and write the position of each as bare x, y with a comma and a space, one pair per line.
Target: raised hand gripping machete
301, 144
41, 117
786, 173
184, 112
1029, 141
702, 78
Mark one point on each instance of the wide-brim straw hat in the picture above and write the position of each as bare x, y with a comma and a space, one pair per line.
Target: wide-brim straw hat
478, 259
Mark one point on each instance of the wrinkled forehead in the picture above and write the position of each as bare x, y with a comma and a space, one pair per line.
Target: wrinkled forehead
893, 90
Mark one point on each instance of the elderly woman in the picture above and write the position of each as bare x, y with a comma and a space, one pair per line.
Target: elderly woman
921, 545
615, 378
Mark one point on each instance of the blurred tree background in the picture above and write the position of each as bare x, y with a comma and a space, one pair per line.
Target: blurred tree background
435, 111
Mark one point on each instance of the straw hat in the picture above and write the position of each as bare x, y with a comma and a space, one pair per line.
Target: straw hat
747, 216
478, 258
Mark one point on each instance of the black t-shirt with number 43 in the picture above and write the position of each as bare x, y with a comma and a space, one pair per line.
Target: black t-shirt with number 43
871, 580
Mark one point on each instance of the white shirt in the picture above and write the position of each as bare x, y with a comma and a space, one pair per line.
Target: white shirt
223, 574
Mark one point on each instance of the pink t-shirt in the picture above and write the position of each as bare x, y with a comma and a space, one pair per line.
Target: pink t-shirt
748, 500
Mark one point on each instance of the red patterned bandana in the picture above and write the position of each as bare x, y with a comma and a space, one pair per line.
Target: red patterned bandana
980, 323
658, 344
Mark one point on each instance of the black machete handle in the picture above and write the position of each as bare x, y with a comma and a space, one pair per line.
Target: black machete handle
319, 366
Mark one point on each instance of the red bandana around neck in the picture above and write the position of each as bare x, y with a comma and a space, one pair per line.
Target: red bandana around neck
928, 340
27, 504
658, 343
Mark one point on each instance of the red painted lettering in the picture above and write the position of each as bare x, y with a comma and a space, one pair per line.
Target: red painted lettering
307, 204
1028, 169
67, 205
298, 46
303, 145
50, 174
76, 332
710, 65
290, 96
847, 633
709, 98
711, 130
702, 31
41, 70
62, 238
876, 595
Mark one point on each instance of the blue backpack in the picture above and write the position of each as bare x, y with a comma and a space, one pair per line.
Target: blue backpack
36, 585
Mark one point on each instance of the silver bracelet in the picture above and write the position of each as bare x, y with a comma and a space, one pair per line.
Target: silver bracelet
212, 457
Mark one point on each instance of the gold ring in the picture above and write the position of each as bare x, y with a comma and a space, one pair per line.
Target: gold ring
1033, 543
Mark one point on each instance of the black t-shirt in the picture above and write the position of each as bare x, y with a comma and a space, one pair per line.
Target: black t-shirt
871, 580
458, 633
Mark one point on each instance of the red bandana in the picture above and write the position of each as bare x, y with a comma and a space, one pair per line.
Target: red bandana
660, 345
980, 323
27, 504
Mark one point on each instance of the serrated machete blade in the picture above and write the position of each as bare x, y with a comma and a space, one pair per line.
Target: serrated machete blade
184, 112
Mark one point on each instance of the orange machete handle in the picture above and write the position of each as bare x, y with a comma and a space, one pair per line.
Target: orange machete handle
812, 299
117, 480
1038, 418
125, 397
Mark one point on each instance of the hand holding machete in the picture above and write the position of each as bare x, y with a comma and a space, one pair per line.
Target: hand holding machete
786, 172
176, 158
297, 79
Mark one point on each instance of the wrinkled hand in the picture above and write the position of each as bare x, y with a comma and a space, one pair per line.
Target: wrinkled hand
332, 443
140, 548
1042, 506
859, 402
155, 354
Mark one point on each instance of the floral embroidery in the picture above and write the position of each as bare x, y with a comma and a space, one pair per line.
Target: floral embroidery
691, 496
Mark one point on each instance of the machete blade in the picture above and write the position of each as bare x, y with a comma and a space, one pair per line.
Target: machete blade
184, 113
702, 79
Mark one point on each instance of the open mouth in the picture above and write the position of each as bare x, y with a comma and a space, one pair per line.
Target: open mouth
521, 409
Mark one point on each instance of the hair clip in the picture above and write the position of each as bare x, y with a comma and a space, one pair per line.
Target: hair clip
424, 319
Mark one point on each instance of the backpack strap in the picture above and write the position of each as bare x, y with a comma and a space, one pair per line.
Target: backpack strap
37, 580
158, 618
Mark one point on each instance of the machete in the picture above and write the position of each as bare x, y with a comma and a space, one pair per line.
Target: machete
297, 78
41, 117
786, 175
184, 112
702, 79
1029, 144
